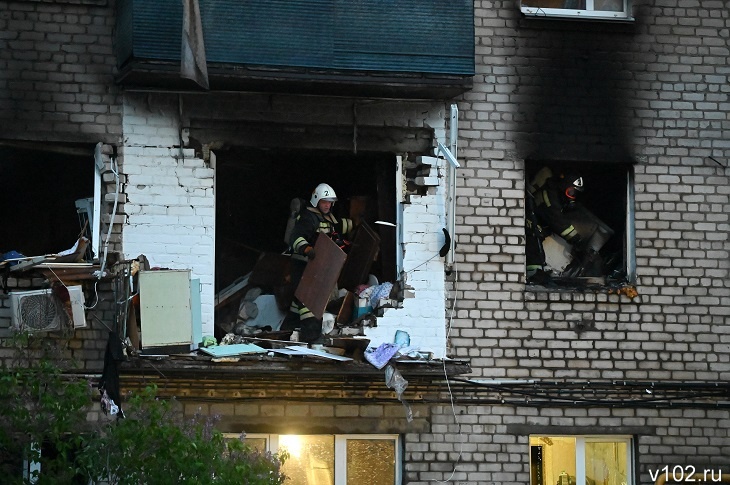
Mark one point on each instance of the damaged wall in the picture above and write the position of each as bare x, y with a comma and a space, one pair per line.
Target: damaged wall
423, 312
57, 93
654, 91
666, 104
170, 200
673, 84
169, 193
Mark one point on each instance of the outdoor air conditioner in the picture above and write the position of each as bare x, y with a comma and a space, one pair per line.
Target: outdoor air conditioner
41, 311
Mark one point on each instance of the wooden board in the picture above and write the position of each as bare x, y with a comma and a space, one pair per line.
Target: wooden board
320, 275
345, 314
364, 249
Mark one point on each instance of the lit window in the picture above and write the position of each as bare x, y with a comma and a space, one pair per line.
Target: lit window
335, 459
581, 460
579, 224
587, 9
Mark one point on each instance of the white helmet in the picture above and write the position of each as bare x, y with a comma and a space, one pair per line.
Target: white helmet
322, 192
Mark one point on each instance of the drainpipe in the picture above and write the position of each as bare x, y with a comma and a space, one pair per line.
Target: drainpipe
450, 154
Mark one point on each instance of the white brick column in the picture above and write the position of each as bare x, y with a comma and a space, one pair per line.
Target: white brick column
423, 314
170, 206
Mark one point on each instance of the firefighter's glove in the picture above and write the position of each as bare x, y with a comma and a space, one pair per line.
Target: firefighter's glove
309, 252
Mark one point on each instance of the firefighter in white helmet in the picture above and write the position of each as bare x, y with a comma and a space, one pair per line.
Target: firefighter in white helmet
315, 219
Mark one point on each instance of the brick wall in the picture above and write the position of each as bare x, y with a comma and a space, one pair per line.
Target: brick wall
57, 72
489, 444
169, 211
655, 91
169, 208
669, 95
57, 85
302, 417
80, 350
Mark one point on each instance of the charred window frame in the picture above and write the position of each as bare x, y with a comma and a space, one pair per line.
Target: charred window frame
613, 10
52, 196
608, 195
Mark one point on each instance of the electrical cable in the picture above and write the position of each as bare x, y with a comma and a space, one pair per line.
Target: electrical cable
59, 279
96, 297
546, 397
425, 262
115, 171
446, 378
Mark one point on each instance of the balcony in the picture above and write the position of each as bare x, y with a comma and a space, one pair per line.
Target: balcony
387, 48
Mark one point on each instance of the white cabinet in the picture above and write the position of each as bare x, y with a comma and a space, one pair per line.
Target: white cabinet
165, 309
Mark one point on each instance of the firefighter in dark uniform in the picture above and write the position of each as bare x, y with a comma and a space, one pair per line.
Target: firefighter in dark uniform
317, 218
550, 200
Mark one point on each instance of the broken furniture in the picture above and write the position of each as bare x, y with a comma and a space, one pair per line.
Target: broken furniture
320, 275
364, 250
267, 283
559, 254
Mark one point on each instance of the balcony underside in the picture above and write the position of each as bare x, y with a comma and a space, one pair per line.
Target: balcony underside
157, 75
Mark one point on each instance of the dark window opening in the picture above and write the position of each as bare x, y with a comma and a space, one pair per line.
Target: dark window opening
254, 189
38, 203
576, 223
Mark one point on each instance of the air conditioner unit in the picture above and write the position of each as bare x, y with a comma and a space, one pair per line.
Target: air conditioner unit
41, 311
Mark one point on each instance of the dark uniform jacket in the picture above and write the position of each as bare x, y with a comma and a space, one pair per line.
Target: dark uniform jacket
310, 223
551, 212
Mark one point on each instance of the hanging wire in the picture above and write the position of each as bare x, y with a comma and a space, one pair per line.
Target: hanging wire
446, 378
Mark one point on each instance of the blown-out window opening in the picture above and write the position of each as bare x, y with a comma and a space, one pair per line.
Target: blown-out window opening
579, 224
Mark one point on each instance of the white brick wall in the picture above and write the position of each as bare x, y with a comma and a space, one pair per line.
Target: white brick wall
423, 316
170, 205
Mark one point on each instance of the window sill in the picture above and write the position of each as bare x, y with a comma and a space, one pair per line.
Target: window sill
583, 285
582, 15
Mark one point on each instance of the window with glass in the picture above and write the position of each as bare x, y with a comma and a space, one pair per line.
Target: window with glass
588, 9
581, 460
335, 459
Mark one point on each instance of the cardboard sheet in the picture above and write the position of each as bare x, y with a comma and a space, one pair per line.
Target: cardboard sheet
231, 350
320, 275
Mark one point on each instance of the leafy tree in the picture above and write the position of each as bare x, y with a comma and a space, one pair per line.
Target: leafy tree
43, 419
155, 444
39, 407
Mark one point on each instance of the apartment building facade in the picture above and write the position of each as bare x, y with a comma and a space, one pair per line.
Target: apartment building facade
614, 375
